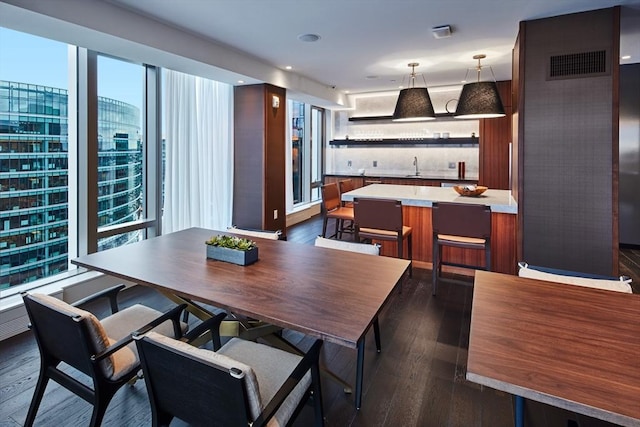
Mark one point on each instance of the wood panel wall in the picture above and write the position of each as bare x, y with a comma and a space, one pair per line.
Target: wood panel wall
259, 158
495, 136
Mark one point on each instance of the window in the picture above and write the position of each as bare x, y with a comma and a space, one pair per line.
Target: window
307, 140
33, 158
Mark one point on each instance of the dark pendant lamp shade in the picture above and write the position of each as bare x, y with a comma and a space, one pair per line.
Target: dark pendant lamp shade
479, 100
414, 104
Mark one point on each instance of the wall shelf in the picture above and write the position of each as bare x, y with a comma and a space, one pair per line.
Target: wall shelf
388, 118
440, 142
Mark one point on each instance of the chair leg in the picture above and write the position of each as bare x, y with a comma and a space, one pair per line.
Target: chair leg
434, 268
102, 397
317, 396
43, 379
487, 258
410, 243
376, 334
324, 226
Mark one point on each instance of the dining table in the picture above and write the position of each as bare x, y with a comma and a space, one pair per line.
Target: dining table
568, 346
325, 293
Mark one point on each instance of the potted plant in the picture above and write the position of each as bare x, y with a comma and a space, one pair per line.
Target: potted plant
232, 249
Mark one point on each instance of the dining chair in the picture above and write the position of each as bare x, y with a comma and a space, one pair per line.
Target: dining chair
241, 383
459, 225
619, 284
264, 234
345, 186
333, 209
363, 248
382, 220
103, 350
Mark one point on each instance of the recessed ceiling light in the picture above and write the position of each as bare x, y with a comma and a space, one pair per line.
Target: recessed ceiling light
626, 57
308, 37
288, 67
346, 91
240, 81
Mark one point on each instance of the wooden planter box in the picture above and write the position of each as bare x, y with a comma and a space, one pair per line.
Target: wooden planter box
233, 256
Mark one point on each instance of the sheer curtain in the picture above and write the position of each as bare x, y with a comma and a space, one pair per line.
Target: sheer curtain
288, 159
198, 118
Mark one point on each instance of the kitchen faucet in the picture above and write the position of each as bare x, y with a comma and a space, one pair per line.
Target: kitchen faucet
415, 163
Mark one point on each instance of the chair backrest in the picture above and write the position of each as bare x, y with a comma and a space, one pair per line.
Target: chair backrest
363, 248
619, 284
460, 219
198, 386
381, 214
330, 196
67, 333
272, 235
346, 185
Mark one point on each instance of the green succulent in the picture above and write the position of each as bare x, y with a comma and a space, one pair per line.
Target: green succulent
232, 242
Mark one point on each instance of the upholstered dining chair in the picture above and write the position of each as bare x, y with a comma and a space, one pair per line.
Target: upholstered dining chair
618, 284
264, 234
101, 349
382, 220
363, 248
242, 383
459, 225
333, 209
345, 186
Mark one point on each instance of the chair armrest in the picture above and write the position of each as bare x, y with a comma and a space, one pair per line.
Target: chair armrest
173, 315
310, 359
213, 325
111, 293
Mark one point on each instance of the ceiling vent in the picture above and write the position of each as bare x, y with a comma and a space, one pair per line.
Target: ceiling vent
576, 65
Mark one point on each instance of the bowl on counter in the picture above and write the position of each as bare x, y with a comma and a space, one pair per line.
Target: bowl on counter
470, 190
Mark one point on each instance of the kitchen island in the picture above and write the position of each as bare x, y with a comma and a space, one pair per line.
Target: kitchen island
416, 209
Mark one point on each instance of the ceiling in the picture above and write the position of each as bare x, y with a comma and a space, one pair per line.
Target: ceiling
365, 45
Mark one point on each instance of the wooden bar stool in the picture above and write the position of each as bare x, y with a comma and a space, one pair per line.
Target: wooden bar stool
345, 186
463, 226
333, 208
381, 219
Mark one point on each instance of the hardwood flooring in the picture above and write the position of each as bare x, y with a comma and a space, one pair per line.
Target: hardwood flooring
417, 380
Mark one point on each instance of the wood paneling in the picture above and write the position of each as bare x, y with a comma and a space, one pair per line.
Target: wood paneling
259, 148
495, 136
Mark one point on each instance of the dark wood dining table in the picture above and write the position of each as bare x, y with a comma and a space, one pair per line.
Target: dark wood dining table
569, 346
328, 294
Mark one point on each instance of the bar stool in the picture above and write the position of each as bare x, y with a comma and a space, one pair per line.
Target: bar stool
345, 186
333, 209
381, 219
461, 226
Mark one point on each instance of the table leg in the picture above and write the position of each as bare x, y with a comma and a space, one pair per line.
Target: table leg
359, 369
519, 415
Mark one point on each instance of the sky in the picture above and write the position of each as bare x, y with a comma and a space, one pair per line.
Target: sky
26, 58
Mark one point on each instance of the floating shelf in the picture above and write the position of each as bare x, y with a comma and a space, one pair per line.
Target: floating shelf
388, 118
448, 142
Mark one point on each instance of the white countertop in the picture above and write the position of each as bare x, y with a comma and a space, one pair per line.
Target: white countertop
413, 195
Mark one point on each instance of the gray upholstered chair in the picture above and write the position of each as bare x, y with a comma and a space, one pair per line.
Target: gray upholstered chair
101, 349
239, 384
363, 248
272, 235
618, 284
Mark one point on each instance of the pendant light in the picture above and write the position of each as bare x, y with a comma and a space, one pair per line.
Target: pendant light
414, 103
479, 100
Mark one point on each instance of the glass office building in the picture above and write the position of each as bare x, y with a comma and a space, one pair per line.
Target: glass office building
34, 178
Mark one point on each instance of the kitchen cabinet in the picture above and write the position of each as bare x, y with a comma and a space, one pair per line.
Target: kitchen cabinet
495, 137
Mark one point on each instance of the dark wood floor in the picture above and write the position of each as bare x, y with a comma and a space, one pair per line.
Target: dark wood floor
417, 380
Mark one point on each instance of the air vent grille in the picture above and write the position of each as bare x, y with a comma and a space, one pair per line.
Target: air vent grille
584, 64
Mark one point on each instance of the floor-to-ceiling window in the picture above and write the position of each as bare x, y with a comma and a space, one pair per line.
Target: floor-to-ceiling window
33, 158
52, 161
307, 138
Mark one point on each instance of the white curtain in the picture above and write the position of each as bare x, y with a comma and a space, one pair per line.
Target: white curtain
198, 117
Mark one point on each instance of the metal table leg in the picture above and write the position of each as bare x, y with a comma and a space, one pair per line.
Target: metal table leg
359, 369
519, 415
